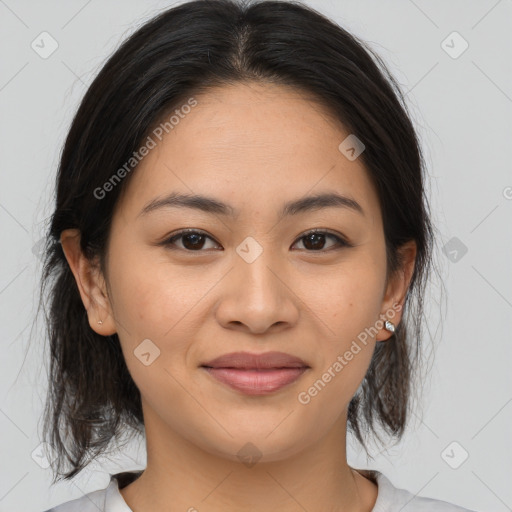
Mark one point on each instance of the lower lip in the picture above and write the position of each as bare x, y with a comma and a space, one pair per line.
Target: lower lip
256, 382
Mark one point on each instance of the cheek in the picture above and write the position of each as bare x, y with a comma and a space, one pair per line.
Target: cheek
150, 294
351, 310
156, 300
152, 311
354, 297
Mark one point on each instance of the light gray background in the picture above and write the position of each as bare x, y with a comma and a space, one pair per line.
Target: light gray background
462, 108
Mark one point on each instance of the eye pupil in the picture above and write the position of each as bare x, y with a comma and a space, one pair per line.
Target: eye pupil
195, 239
317, 240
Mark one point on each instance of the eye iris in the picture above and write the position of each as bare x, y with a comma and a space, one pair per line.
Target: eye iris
317, 240
197, 240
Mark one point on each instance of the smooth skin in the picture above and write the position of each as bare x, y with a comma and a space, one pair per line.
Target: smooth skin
253, 146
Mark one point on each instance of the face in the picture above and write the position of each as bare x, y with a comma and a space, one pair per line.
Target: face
247, 278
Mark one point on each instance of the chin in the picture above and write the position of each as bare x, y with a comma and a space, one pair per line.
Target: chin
252, 446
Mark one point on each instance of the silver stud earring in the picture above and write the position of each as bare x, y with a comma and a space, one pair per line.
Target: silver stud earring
100, 321
390, 326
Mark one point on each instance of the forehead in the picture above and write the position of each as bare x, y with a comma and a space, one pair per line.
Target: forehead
254, 146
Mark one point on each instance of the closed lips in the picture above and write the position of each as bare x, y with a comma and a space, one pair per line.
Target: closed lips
250, 361
256, 374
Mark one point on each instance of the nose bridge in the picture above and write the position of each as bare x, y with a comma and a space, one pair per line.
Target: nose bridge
257, 265
257, 296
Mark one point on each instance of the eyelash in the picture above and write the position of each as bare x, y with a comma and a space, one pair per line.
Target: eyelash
341, 242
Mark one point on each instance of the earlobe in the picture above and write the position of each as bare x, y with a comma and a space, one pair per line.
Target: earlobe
90, 283
396, 290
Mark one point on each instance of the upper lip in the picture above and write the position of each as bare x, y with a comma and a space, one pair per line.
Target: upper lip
247, 360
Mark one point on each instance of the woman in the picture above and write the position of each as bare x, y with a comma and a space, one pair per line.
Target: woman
240, 231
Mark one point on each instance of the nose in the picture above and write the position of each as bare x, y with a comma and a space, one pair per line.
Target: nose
257, 297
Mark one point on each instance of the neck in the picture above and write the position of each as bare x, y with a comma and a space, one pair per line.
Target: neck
183, 475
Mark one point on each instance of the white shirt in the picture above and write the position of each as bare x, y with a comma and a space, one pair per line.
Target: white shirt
389, 498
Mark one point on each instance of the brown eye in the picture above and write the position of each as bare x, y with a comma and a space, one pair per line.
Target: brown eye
191, 240
315, 241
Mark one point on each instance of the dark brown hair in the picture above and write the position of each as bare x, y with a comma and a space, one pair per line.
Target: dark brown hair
183, 51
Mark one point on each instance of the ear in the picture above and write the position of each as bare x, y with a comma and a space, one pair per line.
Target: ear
90, 282
396, 288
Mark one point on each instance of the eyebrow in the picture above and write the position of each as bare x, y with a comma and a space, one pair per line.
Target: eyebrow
214, 206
